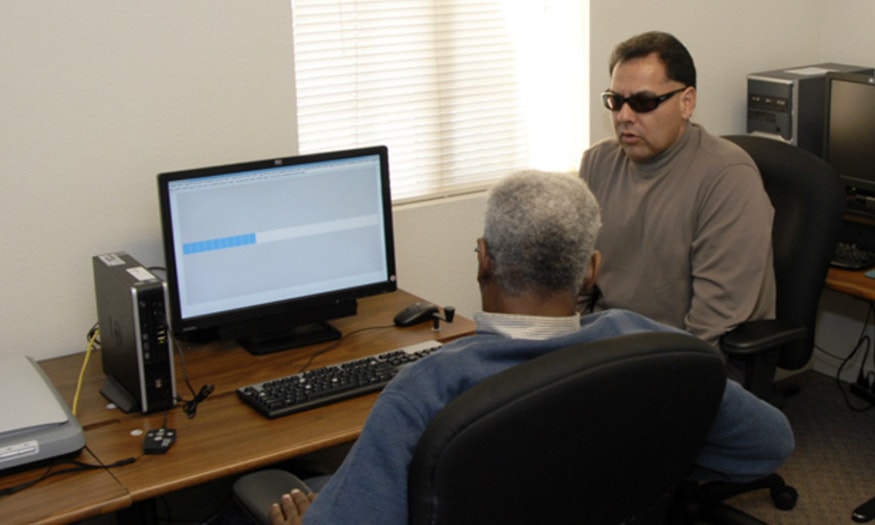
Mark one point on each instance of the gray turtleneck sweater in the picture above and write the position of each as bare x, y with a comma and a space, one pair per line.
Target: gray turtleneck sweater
686, 237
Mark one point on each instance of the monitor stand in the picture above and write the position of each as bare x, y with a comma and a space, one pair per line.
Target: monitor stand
301, 335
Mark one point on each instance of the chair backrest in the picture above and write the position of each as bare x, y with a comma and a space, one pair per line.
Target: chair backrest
600, 432
809, 202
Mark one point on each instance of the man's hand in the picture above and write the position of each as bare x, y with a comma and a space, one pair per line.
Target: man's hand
290, 510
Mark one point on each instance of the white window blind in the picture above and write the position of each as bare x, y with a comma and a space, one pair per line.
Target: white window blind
462, 92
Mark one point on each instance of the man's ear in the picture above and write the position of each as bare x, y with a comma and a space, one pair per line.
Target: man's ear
484, 262
592, 271
688, 99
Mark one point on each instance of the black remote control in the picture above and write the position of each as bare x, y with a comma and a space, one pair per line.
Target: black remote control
158, 441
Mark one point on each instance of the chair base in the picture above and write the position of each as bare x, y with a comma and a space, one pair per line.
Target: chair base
703, 502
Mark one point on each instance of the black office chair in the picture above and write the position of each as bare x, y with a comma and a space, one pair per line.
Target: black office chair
809, 203
601, 432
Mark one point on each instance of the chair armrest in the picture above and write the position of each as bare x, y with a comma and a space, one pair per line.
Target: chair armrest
255, 492
754, 337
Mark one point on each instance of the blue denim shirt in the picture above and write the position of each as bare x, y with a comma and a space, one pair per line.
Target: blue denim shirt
750, 438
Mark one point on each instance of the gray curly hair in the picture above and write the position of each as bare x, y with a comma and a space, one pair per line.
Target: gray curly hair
540, 231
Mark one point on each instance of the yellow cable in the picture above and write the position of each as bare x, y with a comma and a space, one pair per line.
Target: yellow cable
82, 371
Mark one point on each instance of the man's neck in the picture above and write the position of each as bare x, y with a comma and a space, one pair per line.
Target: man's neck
554, 305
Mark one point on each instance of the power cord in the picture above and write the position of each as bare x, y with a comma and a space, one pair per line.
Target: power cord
864, 342
190, 406
77, 466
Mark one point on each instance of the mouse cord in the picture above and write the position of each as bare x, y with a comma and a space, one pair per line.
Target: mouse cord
334, 344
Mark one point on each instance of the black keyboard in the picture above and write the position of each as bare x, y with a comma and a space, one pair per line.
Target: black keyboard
852, 257
330, 384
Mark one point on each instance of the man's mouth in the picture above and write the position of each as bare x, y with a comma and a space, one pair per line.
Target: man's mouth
629, 138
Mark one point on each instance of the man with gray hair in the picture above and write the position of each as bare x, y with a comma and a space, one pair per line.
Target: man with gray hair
535, 254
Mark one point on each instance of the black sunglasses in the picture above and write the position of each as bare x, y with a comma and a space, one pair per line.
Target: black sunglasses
638, 103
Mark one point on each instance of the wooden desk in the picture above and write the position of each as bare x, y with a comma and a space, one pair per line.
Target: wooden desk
65, 498
226, 437
853, 283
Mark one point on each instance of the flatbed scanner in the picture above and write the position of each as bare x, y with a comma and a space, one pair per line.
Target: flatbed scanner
36, 424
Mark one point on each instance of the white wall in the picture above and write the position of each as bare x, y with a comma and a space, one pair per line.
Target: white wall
435, 250
99, 96
728, 40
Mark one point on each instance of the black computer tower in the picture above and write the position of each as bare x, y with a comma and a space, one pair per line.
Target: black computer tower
135, 345
789, 103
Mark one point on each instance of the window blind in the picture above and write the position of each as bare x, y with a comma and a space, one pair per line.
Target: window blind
462, 92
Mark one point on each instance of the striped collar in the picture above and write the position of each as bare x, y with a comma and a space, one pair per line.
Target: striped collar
534, 327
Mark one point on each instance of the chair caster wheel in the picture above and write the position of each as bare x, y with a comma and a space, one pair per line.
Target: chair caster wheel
784, 497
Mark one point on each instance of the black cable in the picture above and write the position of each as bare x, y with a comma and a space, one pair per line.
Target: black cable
861, 340
159, 269
190, 406
77, 466
829, 354
90, 335
334, 344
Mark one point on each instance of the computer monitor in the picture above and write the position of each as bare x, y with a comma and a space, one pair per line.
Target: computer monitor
267, 252
849, 132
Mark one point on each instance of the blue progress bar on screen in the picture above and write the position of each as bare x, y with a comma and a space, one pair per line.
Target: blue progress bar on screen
221, 243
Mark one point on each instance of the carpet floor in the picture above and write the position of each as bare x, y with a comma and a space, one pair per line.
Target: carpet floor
833, 468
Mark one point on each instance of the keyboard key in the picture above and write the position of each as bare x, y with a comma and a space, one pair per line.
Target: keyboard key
852, 257
330, 384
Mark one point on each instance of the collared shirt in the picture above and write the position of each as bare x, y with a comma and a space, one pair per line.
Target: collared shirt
530, 327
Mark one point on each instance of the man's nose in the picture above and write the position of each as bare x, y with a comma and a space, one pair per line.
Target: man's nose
625, 113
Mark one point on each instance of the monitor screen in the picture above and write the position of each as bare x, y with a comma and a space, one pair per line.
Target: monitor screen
849, 130
268, 251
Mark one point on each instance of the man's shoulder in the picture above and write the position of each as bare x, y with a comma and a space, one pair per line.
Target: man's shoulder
461, 363
605, 148
617, 321
722, 151
482, 354
600, 160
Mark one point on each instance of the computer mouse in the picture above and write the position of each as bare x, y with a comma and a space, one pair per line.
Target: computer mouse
415, 313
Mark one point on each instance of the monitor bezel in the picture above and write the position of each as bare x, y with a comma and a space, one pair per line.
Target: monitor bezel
854, 185
277, 319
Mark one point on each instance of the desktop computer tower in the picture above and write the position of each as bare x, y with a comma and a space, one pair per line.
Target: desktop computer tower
788, 104
135, 345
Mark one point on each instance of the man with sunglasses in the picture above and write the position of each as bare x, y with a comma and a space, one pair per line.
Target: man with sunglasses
686, 238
